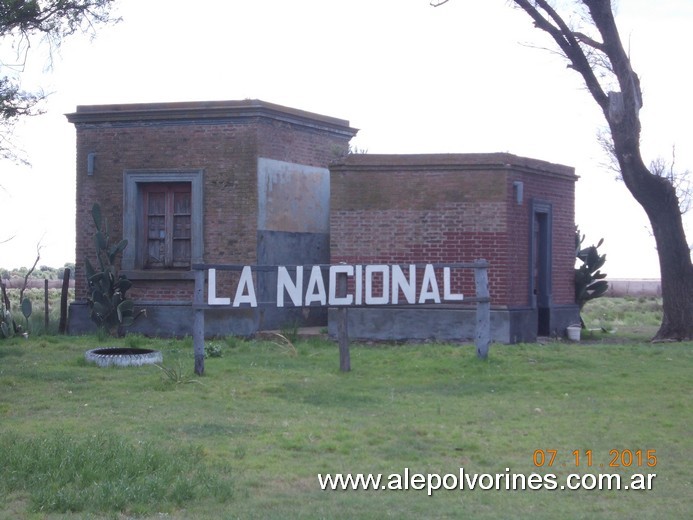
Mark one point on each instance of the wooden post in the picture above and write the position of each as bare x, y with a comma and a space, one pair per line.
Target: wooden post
45, 305
483, 310
343, 326
62, 326
199, 322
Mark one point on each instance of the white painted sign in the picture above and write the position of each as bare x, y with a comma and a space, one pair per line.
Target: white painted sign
392, 279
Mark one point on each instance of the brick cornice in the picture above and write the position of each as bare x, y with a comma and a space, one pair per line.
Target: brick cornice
451, 161
205, 112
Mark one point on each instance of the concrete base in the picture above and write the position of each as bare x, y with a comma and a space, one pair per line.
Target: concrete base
516, 325
561, 317
176, 320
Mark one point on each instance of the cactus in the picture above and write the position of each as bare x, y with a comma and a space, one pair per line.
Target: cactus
26, 311
109, 306
6, 322
589, 280
8, 327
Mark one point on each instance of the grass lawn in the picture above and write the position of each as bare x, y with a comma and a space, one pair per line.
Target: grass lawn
249, 439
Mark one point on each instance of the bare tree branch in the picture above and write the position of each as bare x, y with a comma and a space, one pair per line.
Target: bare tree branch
556, 27
583, 38
680, 180
604, 21
28, 274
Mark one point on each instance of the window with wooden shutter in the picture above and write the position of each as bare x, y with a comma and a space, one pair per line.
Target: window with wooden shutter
166, 226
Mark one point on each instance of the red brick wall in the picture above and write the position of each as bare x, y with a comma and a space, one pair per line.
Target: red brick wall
559, 192
281, 141
414, 215
230, 192
226, 149
450, 208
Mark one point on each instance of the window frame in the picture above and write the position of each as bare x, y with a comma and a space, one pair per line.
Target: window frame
169, 239
133, 181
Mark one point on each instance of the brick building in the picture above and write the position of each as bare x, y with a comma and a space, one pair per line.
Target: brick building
232, 182
247, 182
515, 212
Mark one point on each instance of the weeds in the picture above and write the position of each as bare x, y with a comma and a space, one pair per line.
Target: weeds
290, 332
136, 341
213, 350
233, 341
286, 346
176, 376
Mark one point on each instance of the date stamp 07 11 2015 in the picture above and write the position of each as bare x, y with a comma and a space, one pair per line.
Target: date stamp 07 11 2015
584, 458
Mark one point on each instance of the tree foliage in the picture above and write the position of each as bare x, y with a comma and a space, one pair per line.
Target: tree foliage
23, 22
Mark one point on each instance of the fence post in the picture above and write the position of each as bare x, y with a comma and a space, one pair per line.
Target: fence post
199, 322
62, 325
343, 326
483, 310
45, 305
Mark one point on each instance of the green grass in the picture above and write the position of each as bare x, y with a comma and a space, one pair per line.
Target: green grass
629, 315
104, 471
249, 438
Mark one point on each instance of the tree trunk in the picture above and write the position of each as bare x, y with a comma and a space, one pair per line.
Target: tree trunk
658, 198
675, 266
677, 282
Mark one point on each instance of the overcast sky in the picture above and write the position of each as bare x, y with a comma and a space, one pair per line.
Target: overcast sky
468, 76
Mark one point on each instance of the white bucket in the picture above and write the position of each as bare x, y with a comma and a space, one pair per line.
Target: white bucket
574, 332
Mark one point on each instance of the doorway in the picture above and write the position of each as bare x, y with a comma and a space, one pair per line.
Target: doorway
540, 264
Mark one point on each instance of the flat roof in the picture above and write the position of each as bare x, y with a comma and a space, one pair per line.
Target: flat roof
191, 111
449, 161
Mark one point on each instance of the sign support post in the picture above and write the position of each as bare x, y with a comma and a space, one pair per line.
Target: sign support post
343, 326
483, 309
199, 322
